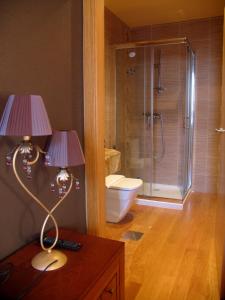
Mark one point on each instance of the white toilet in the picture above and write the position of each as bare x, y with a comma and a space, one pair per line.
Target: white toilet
120, 195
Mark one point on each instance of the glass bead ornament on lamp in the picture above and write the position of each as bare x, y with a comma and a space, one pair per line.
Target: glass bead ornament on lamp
64, 151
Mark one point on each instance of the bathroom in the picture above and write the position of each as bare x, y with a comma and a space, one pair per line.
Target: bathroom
162, 103
174, 236
162, 108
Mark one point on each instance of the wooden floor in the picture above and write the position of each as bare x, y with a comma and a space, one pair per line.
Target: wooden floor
175, 258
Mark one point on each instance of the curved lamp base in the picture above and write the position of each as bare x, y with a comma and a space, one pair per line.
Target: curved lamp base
42, 260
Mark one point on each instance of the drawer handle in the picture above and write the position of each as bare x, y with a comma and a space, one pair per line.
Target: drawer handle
110, 291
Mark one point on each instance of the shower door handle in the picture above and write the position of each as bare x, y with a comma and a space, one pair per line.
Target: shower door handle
187, 122
220, 130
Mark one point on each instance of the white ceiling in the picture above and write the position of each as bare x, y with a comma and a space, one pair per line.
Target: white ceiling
147, 12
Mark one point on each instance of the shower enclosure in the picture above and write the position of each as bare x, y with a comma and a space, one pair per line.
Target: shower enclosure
155, 115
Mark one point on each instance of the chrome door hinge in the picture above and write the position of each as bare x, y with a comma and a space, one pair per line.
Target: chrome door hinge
221, 130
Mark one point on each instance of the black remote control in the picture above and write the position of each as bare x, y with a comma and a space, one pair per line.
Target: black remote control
63, 244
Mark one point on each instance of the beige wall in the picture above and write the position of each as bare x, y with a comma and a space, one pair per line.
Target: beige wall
41, 53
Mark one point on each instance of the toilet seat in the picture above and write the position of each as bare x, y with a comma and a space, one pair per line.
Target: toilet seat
120, 182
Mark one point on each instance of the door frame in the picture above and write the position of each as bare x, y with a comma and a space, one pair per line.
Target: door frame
94, 111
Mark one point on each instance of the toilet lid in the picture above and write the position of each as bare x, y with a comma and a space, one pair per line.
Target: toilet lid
120, 182
111, 179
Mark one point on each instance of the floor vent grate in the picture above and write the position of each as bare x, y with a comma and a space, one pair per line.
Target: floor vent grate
132, 235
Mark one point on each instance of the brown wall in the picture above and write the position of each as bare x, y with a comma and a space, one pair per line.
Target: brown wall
41, 53
115, 32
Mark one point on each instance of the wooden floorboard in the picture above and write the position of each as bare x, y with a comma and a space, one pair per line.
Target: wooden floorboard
175, 258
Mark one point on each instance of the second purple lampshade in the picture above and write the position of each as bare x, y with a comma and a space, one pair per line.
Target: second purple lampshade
25, 116
64, 150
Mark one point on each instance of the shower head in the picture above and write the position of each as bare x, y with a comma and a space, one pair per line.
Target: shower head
132, 54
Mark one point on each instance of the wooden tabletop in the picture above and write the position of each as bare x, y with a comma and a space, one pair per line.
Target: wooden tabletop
73, 281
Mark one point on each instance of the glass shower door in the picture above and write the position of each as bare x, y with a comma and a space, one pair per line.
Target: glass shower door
170, 115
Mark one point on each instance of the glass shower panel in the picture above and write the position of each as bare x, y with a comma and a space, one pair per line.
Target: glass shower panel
131, 124
154, 117
169, 114
148, 118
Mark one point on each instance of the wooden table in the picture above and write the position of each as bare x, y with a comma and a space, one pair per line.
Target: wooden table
96, 271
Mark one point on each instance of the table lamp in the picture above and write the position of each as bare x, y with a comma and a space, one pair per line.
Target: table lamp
26, 116
63, 151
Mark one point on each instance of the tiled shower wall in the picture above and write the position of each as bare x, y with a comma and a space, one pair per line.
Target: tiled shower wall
205, 36
115, 32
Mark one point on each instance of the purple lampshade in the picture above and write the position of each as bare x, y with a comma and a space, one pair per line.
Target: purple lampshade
25, 116
64, 150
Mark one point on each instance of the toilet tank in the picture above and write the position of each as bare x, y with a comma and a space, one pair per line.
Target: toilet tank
112, 161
